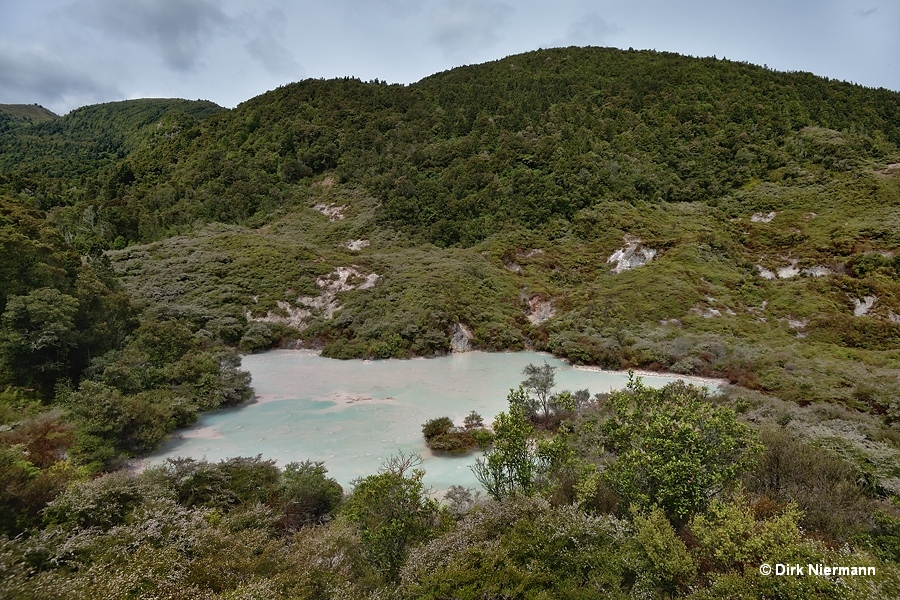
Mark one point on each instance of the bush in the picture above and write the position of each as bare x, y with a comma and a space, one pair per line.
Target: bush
223, 485
667, 568
673, 448
112, 425
436, 427
522, 548
832, 494
453, 442
393, 512
103, 502
442, 436
261, 336
305, 495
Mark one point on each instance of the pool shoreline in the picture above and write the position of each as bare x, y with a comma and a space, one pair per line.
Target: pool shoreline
347, 413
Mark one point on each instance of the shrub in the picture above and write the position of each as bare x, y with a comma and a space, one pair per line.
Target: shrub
522, 548
831, 493
103, 502
666, 566
305, 495
392, 512
453, 442
443, 437
223, 485
673, 448
436, 427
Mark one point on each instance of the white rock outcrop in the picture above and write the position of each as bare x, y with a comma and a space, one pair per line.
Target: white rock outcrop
631, 256
797, 323
817, 271
789, 271
332, 211
862, 306
706, 312
356, 245
765, 273
342, 279
540, 310
763, 217
462, 339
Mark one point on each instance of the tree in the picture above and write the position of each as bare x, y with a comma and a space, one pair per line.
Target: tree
473, 421
539, 381
511, 464
441, 435
37, 332
434, 428
111, 425
673, 448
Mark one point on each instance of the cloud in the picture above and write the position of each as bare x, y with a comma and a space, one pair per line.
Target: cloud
459, 26
177, 29
590, 30
263, 45
400, 8
866, 12
275, 58
36, 76
393, 8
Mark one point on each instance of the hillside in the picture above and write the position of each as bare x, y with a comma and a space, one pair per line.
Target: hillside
767, 199
31, 113
512, 184
61, 161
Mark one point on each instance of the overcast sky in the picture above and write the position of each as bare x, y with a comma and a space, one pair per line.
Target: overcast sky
63, 54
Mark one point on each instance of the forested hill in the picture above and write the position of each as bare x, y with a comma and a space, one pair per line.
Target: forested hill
466, 153
53, 153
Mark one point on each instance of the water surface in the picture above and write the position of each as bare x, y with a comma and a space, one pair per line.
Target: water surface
354, 414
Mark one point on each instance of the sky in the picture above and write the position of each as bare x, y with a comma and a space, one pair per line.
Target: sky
63, 54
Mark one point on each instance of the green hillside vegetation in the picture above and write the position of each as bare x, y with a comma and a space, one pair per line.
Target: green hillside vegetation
616, 208
62, 162
31, 113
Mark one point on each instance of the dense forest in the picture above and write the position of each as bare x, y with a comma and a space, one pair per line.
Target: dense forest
621, 209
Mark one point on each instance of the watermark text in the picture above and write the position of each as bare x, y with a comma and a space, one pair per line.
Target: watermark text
816, 570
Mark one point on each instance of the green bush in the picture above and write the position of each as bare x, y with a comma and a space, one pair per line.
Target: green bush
453, 442
522, 548
672, 447
305, 495
436, 427
229, 483
666, 568
104, 502
834, 496
393, 513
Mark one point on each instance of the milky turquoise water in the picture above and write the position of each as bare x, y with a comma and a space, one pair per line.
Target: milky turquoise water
352, 415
